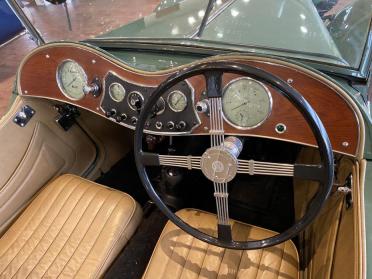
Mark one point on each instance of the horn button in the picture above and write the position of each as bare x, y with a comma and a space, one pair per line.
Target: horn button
218, 164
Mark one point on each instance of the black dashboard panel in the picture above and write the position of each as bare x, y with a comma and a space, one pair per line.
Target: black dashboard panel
163, 120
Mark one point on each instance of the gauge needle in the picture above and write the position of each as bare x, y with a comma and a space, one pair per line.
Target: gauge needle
179, 99
71, 82
243, 104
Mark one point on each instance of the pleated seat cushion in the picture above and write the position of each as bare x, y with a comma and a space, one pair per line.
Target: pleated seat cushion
179, 255
73, 228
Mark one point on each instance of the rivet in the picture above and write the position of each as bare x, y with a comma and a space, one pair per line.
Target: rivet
289, 81
345, 144
97, 108
206, 128
47, 56
26, 92
94, 61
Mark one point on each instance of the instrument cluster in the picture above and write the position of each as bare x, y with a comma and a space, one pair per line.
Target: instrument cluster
173, 113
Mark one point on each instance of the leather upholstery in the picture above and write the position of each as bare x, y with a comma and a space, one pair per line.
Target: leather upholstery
179, 255
73, 228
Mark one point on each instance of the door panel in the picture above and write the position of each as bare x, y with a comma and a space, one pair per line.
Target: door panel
36, 153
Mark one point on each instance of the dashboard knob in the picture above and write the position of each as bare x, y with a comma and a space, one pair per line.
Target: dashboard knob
110, 113
170, 125
202, 106
94, 88
133, 120
121, 117
158, 125
181, 125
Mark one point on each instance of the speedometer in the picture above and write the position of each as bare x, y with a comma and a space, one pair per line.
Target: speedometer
246, 103
71, 79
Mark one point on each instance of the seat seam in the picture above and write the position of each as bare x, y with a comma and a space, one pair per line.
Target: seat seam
61, 230
29, 220
86, 234
259, 262
219, 267
59, 211
205, 255
188, 252
43, 218
95, 241
122, 231
281, 260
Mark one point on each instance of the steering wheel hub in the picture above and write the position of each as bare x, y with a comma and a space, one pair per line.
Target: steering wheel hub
219, 164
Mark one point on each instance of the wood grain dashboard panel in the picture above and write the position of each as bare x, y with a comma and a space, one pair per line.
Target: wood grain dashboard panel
37, 78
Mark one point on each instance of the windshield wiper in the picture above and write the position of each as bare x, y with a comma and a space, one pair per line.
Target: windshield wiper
205, 18
209, 16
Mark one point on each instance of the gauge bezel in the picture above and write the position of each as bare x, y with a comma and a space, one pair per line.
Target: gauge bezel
128, 99
60, 83
267, 92
121, 86
183, 96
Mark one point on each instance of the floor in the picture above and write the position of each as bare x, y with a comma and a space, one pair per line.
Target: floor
89, 18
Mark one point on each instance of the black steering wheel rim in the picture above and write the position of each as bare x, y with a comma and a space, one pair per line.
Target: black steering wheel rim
295, 98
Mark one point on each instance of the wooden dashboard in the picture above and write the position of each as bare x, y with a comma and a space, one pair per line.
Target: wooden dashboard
37, 78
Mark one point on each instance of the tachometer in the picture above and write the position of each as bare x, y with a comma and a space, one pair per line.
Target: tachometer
71, 79
246, 103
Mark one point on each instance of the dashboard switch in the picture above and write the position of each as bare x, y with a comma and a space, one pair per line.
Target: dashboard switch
202, 106
121, 117
158, 125
170, 125
133, 120
110, 113
181, 126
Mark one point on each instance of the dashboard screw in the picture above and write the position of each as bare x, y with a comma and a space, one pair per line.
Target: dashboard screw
289, 81
47, 56
94, 61
345, 144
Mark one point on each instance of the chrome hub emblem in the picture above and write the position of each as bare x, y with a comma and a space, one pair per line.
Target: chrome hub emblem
219, 164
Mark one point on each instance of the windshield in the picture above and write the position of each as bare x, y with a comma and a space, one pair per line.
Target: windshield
326, 31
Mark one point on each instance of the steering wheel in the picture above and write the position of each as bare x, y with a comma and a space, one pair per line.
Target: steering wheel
220, 162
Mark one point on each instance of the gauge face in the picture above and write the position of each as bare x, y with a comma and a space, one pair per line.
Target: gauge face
117, 92
246, 103
71, 79
177, 101
135, 100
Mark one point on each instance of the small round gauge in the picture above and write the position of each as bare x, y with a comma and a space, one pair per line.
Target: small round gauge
135, 100
246, 103
117, 92
159, 107
71, 79
177, 101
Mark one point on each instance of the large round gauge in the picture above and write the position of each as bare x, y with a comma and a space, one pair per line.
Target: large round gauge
177, 101
117, 92
246, 103
71, 79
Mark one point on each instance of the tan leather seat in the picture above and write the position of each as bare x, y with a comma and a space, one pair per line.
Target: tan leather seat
179, 255
73, 228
